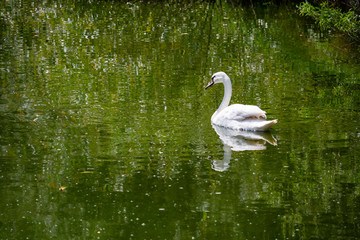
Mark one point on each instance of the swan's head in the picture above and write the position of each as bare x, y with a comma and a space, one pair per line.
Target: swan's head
219, 77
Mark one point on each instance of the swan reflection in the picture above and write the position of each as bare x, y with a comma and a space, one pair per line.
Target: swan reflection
235, 140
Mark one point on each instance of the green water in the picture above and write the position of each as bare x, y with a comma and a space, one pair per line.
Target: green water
106, 102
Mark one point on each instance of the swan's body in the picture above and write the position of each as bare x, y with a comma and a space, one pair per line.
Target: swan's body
237, 116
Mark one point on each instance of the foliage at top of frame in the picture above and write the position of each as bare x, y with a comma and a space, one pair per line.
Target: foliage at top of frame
333, 17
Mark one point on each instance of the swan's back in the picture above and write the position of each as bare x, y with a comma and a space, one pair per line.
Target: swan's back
242, 117
239, 112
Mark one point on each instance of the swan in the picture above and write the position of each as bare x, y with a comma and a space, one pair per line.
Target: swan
237, 116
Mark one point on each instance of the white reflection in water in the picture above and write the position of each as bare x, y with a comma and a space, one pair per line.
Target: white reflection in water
235, 140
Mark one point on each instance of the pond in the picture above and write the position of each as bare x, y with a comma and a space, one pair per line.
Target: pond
106, 133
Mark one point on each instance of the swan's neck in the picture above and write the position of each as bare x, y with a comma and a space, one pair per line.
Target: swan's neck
227, 96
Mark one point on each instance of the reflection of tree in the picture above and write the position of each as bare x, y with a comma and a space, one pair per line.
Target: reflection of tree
94, 100
208, 33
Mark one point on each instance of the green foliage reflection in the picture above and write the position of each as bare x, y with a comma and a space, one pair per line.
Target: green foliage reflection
107, 99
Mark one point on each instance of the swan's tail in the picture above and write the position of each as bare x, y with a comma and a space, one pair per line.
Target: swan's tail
256, 125
267, 125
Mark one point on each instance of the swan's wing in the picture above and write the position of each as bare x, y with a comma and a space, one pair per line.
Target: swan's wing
240, 112
248, 124
242, 117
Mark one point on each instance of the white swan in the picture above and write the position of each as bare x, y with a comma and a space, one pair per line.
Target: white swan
237, 116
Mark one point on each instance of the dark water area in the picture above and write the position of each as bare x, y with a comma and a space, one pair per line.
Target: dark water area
105, 128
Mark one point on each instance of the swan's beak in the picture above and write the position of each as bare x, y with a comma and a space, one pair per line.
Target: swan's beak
210, 84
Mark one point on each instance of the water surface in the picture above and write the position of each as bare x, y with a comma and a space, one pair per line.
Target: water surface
105, 124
